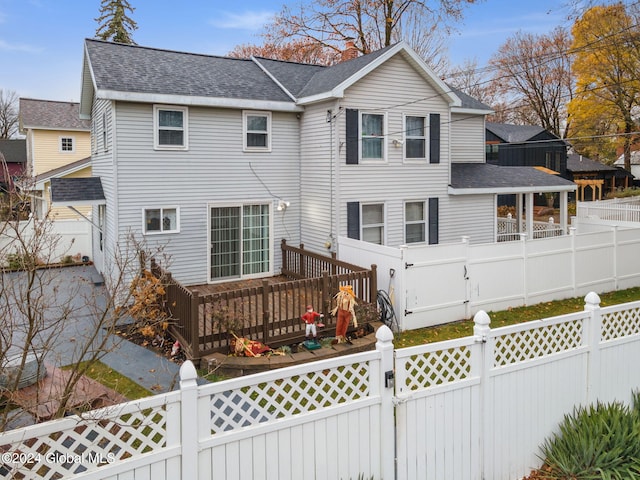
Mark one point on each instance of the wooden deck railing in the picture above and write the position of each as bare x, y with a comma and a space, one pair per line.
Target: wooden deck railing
270, 312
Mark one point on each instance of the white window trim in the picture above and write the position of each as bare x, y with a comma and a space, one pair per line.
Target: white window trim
160, 232
245, 131
383, 224
406, 159
424, 221
384, 138
211, 205
73, 143
156, 127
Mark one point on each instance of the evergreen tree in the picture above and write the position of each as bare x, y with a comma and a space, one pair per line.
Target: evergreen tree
114, 24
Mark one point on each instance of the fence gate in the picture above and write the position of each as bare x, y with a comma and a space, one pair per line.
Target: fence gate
436, 289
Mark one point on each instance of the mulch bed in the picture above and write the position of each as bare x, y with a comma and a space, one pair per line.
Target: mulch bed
160, 344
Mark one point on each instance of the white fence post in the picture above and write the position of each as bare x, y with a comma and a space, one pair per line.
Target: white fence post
189, 420
482, 365
594, 332
384, 346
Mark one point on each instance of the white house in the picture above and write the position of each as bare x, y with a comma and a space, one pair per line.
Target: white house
219, 158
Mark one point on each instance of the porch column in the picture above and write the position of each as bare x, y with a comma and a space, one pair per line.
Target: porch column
529, 200
519, 212
564, 214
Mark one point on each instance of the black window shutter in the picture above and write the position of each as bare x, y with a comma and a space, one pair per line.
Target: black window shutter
353, 220
433, 221
434, 138
352, 136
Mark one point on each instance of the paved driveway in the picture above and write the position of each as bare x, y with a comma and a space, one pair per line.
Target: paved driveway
73, 289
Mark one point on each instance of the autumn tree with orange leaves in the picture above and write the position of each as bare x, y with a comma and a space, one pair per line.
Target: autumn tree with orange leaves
604, 112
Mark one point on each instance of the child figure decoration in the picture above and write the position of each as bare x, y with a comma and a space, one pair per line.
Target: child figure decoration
345, 303
310, 318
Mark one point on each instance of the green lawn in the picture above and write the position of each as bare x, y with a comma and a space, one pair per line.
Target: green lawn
115, 381
511, 316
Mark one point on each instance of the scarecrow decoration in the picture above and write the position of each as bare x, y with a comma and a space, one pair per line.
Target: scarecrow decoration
344, 309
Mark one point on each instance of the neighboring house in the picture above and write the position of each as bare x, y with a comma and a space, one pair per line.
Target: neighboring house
56, 138
594, 179
635, 163
218, 159
525, 146
13, 158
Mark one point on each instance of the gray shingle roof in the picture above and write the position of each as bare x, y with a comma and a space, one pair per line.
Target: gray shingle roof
64, 169
51, 115
579, 163
130, 68
468, 101
293, 76
493, 177
514, 133
80, 191
328, 78
14, 151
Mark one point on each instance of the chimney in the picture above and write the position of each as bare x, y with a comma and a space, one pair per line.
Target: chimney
350, 51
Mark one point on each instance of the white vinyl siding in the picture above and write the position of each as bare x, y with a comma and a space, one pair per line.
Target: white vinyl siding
398, 179
213, 170
467, 138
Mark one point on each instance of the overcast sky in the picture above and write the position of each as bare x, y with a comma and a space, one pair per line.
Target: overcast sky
41, 41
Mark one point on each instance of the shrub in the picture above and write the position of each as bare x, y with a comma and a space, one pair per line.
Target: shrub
596, 442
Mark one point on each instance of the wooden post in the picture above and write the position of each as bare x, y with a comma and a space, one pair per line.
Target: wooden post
195, 325
302, 262
326, 294
373, 284
265, 311
285, 259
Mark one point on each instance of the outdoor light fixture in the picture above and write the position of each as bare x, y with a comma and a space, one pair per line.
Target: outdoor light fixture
282, 205
397, 142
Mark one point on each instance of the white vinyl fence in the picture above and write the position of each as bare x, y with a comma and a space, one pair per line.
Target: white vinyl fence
437, 284
64, 237
616, 209
469, 409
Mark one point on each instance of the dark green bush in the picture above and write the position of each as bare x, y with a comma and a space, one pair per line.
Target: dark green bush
595, 442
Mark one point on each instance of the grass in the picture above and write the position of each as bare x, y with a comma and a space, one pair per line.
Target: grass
115, 381
510, 316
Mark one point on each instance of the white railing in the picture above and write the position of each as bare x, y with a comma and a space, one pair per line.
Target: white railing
617, 209
508, 229
467, 409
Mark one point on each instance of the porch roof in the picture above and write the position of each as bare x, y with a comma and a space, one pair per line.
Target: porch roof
483, 178
77, 191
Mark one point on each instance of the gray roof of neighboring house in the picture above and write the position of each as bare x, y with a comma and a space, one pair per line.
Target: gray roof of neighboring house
130, 68
579, 163
514, 133
49, 114
78, 191
492, 177
14, 150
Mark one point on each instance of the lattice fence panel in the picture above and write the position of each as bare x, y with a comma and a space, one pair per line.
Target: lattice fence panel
88, 445
620, 324
537, 342
288, 397
436, 368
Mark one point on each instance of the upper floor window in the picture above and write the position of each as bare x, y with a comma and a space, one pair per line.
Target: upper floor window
161, 220
415, 138
257, 131
372, 134
170, 127
67, 144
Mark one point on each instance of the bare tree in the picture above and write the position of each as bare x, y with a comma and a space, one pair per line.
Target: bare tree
48, 318
473, 81
371, 25
8, 113
532, 77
